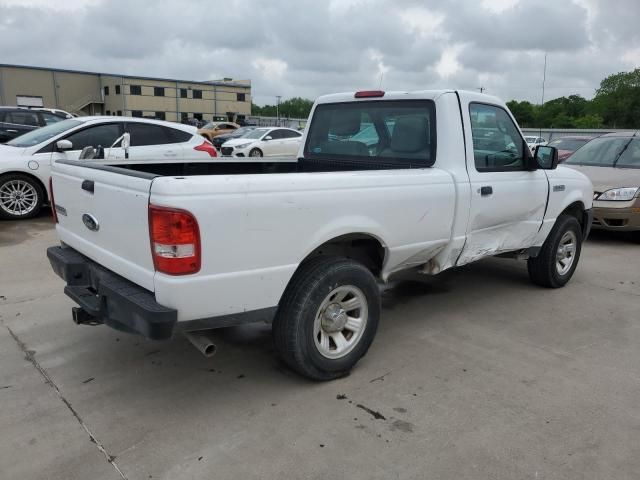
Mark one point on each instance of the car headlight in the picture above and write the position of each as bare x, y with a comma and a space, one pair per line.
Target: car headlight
618, 194
243, 145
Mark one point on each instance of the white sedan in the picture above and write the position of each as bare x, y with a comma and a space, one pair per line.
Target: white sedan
25, 161
264, 142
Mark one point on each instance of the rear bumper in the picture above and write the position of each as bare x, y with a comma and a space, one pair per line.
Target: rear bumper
110, 299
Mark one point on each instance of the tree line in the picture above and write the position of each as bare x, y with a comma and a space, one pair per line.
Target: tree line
291, 108
616, 104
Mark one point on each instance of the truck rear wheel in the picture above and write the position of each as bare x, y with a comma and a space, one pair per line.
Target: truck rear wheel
558, 259
327, 318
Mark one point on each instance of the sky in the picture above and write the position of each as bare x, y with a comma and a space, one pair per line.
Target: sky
308, 48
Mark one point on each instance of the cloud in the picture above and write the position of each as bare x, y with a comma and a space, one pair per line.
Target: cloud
307, 48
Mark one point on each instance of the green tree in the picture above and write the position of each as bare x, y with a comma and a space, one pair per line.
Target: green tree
291, 108
524, 112
589, 121
618, 99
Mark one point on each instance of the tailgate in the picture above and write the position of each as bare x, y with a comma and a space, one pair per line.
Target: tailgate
103, 214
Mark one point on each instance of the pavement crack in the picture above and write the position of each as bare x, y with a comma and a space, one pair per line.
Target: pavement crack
29, 355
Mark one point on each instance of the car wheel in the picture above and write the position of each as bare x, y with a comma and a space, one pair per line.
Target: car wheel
327, 318
20, 197
255, 152
558, 259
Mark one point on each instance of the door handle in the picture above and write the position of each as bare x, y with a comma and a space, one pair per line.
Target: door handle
486, 190
170, 154
12, 131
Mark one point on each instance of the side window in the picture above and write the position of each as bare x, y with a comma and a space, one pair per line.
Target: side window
291, 134
497, 144
277, 134
177, 136
103, 135
23, 118
144, 134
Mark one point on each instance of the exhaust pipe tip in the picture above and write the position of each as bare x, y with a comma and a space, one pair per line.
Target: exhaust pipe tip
202, 342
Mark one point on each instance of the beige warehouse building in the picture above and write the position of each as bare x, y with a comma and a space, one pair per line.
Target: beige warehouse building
90, 93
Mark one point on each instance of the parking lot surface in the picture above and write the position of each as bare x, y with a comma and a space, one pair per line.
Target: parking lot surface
473, 374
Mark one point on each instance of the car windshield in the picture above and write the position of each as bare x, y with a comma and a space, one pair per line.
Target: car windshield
242, 131
568, 144
630, 157
43, 134
601, 152
210, 126
257, 133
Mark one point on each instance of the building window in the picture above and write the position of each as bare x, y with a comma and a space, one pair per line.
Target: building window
183, 93
197, 94
136, 113
113, 113
135, 89
161, 116
108, 112
197, 116
184, 116
119, 113
117, 89
240, 97
106, 90
158, 91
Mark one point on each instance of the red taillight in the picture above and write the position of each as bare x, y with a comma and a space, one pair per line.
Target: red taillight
369, 93
207, 147
175, 241
52, 202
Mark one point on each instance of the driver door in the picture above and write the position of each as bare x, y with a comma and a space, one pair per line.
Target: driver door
507, 201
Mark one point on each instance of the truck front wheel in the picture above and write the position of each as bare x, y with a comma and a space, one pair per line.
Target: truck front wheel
558, 259
327, 318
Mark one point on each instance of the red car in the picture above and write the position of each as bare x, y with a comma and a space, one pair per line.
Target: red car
567, 145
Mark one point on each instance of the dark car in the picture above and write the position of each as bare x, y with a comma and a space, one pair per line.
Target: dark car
567, 145
220, 139
15, 121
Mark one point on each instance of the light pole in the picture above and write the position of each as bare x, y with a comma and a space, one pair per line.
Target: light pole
278, 97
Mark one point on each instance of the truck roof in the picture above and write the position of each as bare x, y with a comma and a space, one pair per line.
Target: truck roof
404, 95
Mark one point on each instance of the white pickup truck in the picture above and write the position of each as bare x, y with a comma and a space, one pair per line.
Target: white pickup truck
384, 182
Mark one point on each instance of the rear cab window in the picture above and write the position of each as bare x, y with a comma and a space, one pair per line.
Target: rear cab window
374, 134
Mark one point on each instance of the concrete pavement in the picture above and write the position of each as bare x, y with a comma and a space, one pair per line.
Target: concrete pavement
473, 374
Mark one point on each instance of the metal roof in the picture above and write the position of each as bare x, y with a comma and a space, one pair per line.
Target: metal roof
207, 82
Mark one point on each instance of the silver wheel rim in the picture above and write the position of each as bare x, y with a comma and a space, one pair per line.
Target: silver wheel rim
18, 197
566, 254
340, 322
255, 153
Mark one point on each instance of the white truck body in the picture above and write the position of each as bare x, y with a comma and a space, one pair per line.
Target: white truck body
257, 229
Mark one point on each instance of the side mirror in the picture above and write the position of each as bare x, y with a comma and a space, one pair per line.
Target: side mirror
63, 145
267, 138
546, 157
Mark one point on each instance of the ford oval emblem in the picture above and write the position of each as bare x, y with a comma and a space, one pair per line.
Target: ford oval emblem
90, 222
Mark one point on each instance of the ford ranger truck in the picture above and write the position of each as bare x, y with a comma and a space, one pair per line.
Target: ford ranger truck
384, 182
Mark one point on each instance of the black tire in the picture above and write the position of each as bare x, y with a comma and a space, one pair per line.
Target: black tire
255, 152
39, 193
293, 327
543, 269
